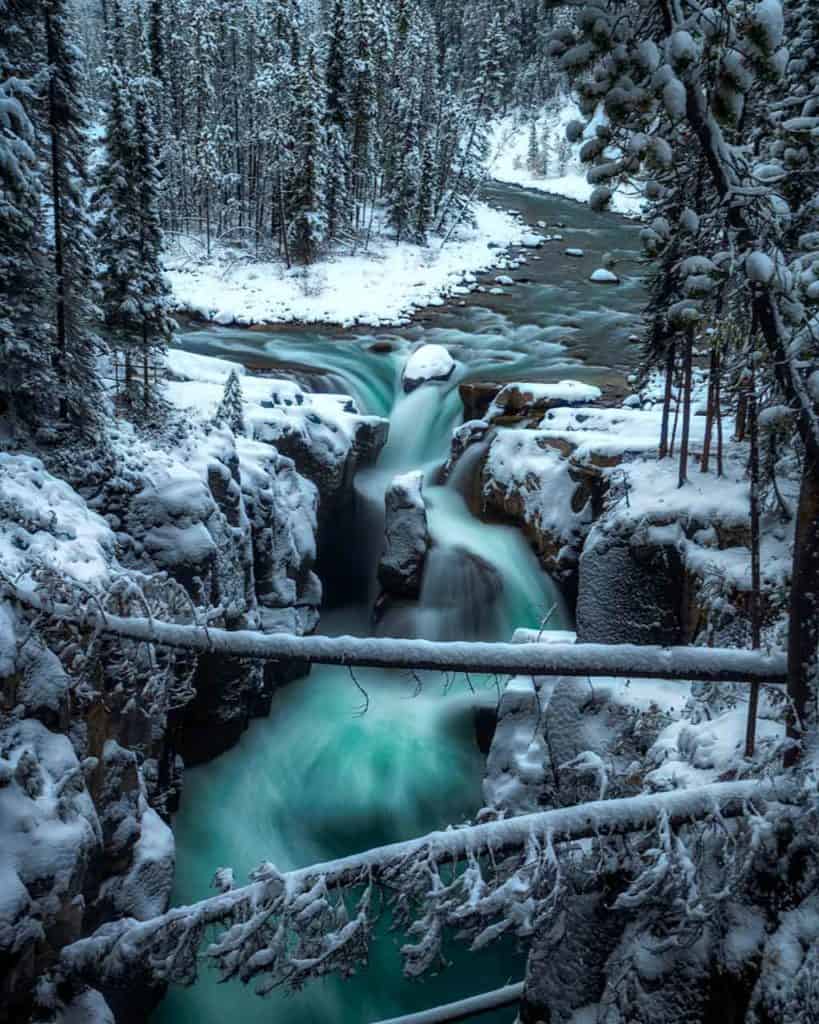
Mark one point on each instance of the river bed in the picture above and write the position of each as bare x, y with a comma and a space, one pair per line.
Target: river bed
316, 779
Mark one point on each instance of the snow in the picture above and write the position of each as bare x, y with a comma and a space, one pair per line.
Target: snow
427, 363
273, 408
383, 285
603, 276
509, 149
520, 398
576, 253
47, 524
759, 267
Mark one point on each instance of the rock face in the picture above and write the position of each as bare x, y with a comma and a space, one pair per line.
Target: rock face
476, 397
463, 437
406, 537
91, 761
427, 363
633, 589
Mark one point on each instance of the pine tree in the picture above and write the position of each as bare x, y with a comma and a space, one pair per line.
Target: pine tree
156, 325
135, 298
425, 205
336, 68
533, 153
27, 379
308, 198
338, 123
363, 105
77, 345
231, 410
117, 229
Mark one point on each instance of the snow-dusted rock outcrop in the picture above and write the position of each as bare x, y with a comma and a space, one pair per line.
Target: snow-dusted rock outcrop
427, 363
519, 401
325, 435
650, 562
89, 763
406, 537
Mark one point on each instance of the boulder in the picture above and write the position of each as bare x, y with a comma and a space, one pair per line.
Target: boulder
427, 363
406, 536
603, 276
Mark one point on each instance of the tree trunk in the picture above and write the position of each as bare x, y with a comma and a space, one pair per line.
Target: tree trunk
803, 636
130, 941
700, 664
709, 415
756, 596
688, 356
60, 357
718, 412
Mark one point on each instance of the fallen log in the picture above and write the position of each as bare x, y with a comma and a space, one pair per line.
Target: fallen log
113, 951
625, 661
463, 1009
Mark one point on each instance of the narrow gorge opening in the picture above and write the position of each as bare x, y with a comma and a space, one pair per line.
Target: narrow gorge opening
317, 779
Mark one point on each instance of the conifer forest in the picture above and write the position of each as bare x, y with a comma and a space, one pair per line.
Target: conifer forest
409, 511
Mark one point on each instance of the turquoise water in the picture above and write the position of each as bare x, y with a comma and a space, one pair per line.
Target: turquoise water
316, 780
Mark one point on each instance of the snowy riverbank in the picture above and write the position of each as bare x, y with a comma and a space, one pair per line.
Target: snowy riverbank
558, 171
382, 286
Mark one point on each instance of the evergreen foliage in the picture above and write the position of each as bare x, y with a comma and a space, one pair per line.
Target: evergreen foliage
230, 412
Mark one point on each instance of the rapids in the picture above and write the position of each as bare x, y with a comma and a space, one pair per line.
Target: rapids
315, 779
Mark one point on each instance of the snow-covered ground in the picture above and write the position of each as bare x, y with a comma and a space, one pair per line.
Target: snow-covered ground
510, 151
382, 286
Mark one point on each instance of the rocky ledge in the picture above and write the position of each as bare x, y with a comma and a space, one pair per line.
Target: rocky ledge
95, 734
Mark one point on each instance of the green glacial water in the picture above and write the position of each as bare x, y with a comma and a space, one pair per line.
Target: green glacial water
317, 780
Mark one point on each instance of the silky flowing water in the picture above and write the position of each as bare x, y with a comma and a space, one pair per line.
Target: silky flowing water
317, 779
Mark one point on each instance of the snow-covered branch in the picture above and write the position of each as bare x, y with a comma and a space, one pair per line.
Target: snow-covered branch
622, 660
296, 925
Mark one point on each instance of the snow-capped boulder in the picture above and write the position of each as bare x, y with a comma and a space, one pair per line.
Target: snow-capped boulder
406, 537
504, 279
427, 363
519, 400
603, 276
575, 253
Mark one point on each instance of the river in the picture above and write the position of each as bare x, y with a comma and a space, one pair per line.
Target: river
316, 780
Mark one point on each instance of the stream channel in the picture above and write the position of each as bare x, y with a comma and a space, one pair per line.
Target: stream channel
316, 780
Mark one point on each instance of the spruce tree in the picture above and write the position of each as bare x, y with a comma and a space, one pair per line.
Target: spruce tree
231, 411
27, 379
308, 221
117, 203
77, 344
363, 105
156, 325
533, 152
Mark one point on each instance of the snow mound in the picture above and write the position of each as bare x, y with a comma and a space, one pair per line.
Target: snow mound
576, 253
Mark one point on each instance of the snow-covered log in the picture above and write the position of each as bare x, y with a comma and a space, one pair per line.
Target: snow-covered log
169, 944
632, 661
463, 1009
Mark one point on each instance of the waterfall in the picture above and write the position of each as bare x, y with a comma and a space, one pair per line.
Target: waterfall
317, 780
